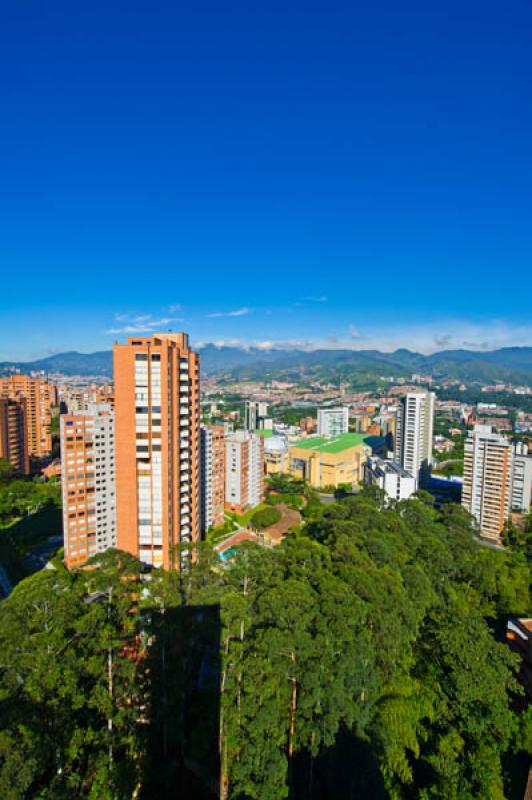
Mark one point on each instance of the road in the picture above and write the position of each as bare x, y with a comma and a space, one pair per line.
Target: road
38, 558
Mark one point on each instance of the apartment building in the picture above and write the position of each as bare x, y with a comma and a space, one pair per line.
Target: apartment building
395, 482
244, 471
88, 483
212, 476
254, 412
333, 421
13, 434
157, 424
497, 479
40, 396
413, 435
521, 497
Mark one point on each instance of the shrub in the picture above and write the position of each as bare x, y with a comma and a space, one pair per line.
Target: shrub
265, 518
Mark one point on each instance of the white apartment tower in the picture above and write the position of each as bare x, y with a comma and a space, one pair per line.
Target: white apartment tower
88, 482
521, 479
244, 471
497, 479
333, 421
413, 438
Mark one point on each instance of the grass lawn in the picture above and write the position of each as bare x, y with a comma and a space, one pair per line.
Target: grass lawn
245, 518
221, 532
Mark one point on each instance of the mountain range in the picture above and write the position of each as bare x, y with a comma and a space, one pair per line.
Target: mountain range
509, 364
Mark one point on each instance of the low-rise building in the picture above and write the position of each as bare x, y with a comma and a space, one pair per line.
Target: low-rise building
308, 424
275, 455
395, 482
329, 461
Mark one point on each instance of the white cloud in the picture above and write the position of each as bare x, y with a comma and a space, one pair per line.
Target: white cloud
239, 312
424, 338
174, 307
139, 323
319, 299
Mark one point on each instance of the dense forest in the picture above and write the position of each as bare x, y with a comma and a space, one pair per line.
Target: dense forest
364, 657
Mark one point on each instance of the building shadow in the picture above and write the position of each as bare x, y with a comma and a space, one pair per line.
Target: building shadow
348, 770
183, 703
182, 721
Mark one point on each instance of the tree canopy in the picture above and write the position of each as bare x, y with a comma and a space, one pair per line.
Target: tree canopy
362, 657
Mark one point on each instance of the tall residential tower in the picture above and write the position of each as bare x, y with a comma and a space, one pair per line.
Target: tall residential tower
413, 437
212, 476
13, 436
88, 483
497, 479
157, 413
333, 421
39, 396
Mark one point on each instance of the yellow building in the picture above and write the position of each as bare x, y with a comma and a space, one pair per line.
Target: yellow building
329, 461
275, 454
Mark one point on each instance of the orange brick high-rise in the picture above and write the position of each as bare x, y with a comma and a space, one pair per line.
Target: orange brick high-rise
13, 439
157, 434
39, 396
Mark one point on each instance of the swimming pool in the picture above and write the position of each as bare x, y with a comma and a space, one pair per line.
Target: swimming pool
225, 555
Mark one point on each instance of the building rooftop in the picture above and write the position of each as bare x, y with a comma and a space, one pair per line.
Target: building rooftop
332, 444
263, 432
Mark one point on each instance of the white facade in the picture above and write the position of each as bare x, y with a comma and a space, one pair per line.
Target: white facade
394, 481
521, 479
333, 421
413, 437
95, 467
497, 479
244, 469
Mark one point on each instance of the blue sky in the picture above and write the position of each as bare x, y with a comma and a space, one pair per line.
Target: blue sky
322, 173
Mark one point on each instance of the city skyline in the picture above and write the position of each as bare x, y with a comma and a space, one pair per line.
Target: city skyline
356, 178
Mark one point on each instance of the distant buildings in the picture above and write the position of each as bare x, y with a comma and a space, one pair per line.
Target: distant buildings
416, 378
308, 424
413, 438
333, 421
157, 398
13, 434
39, 397
244, 471
325, 461
212, 476
497, 479
254, 411
88, 483
395, 482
